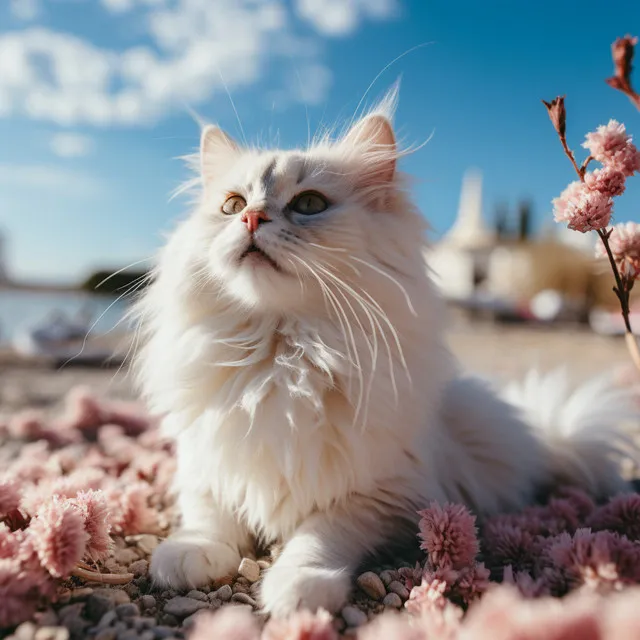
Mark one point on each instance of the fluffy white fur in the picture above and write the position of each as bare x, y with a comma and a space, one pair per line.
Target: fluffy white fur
316, 404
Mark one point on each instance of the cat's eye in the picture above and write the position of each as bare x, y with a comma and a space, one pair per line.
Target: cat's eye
233, 204
308, 203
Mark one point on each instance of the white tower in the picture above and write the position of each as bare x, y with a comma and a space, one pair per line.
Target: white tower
469, 231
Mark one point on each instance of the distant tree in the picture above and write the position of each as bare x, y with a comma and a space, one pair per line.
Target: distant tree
112, 283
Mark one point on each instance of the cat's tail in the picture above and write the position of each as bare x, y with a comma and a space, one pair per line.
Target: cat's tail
586, 433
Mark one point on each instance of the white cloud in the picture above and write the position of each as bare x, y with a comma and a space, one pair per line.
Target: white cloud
51, 179
194, 52
25, 9
71, 145
342, 17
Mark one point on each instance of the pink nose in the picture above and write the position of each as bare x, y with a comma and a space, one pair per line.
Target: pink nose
253, 218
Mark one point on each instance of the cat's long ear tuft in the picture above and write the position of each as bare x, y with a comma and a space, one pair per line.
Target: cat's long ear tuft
215, 148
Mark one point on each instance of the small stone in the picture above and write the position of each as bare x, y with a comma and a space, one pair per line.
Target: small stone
181, 607
147, 543
52, 633
71, 611
371, 584
353, 617
386, 577
117, 596
264, 564
80, 594
392, 600
47, 618
249, 569
140, 623
107, 619
197, 595
128, 634
215, 604
168, 620
139, 568
131, 590
244, 598
397, 587
106, 634
189, 621
147, 602
96, 606
224, 593
128, 610
241, 587
147, 634
26, 631
163, 632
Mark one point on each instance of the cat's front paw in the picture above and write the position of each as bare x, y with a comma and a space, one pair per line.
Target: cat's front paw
287, 588
190, 560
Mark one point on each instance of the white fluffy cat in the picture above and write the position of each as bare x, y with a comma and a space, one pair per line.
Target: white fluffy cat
294, 343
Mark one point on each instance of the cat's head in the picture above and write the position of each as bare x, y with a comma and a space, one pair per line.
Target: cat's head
277, 227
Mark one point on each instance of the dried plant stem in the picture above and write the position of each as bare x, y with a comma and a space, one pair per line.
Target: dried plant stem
622, 290
104, 578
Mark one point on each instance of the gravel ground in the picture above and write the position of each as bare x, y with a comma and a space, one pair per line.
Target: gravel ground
137, 611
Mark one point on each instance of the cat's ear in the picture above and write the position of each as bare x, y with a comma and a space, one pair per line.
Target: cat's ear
216, 147
373, 139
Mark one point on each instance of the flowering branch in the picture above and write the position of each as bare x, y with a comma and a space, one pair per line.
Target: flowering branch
587, 204
622, 52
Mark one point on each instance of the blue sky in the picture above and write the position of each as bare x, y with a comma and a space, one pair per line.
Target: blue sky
94, 100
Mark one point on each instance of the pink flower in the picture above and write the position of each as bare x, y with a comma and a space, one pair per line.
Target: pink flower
302, 625
95, 512
607, 141
449, 535
609, 181
621, 514
428, 595
229, 623
624, 242
59, 537
20, 592
471, 583
627, 161
585, 211
526, 585
9, 497
572, 193
130, 510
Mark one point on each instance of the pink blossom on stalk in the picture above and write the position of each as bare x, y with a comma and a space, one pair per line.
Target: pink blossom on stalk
448, 535
607, 141
573, 192
59, 537
95, 512
20, 592
609, 181
621, 514
624, 243
302, 625
428, 595
131, 511
583, 210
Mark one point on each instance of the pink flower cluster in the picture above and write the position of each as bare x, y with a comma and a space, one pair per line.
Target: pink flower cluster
98, 469
502, 614
624, 242
587, 205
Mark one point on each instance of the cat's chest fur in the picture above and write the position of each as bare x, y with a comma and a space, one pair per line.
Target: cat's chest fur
277, 438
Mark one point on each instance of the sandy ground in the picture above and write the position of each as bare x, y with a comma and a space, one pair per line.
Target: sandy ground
502, 351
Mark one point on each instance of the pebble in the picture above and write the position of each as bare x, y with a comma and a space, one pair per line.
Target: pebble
131, 590
125, 556
244, 598
71, 611
168, 620
139, 568
117, 596
224, 593
128, 610
140, 623
106, 634
264, 564
128, 634
181, 607
241, 587
249, 569
386, 577
392, 600
107, 619
26, 631
147, 602
197, 595
147, 634
47, 618
96, 606
353, 617
52, 633
146, 542
80, 594
188, 622
163, 632
397, 587
371, 584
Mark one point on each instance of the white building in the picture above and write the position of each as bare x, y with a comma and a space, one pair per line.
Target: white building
461, 259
